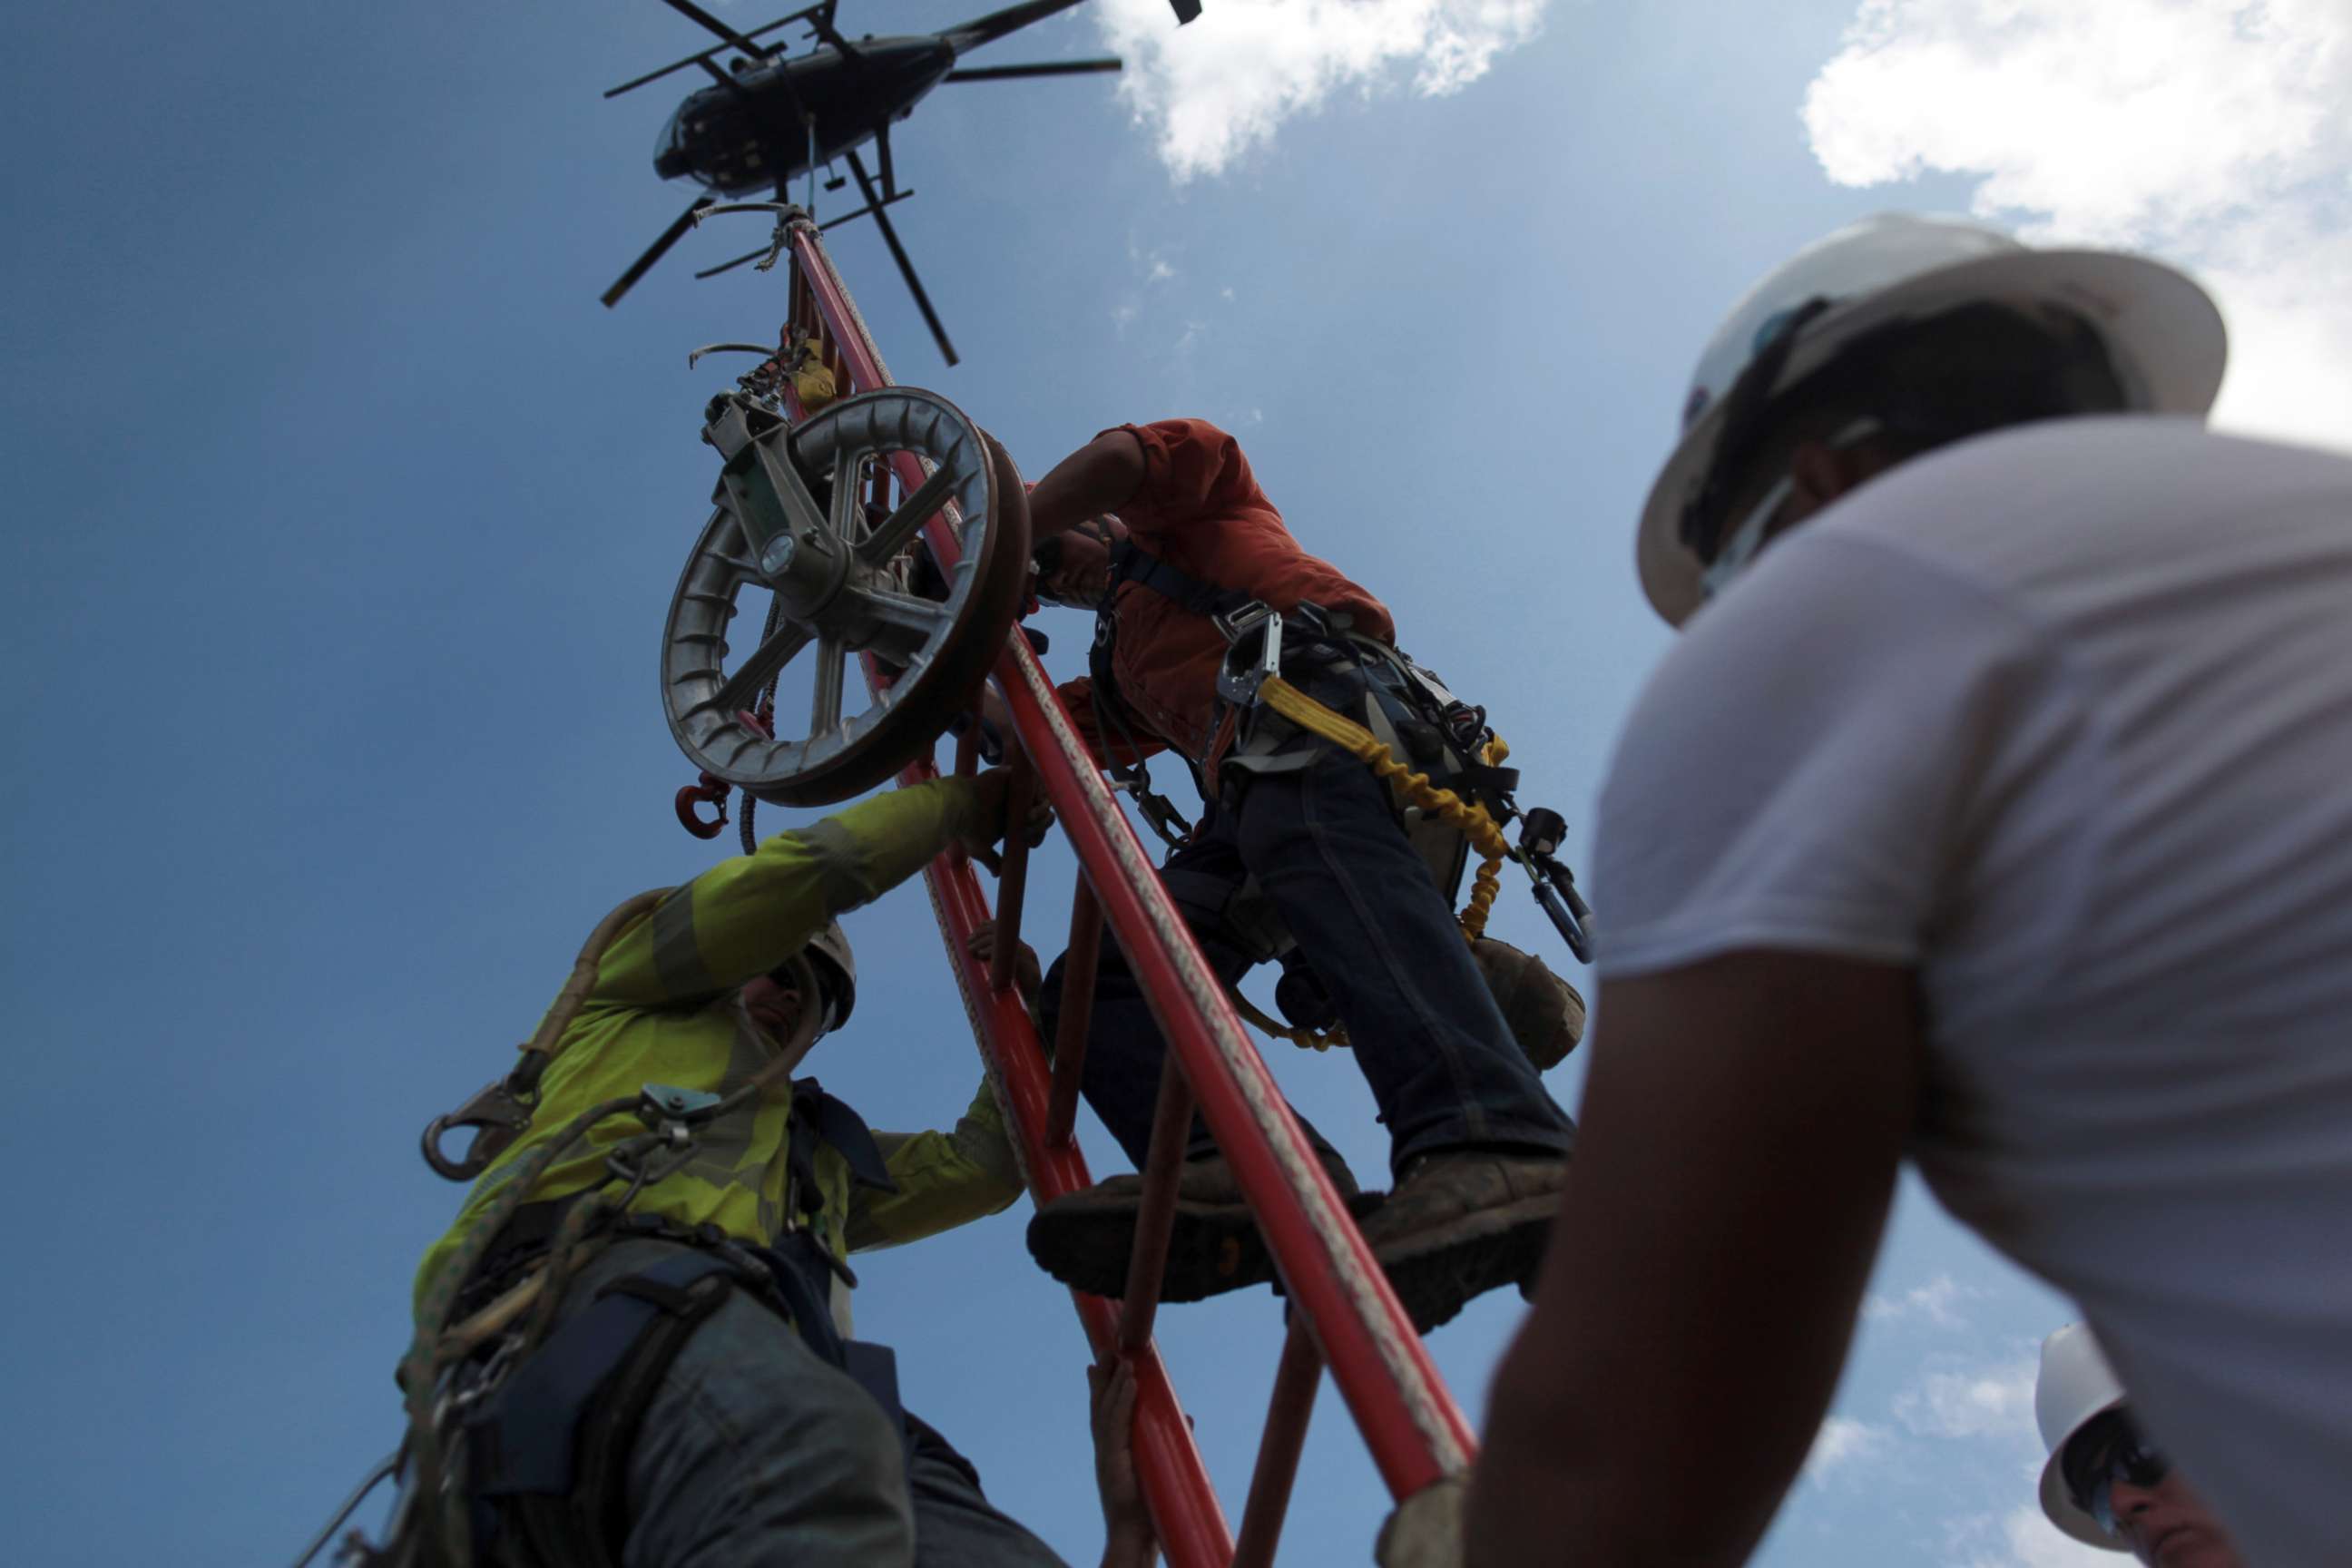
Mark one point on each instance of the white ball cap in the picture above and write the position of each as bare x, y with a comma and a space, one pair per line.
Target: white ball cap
2076, 1385
2160, 328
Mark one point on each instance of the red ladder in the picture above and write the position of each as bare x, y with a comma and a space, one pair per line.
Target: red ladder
1345, 1315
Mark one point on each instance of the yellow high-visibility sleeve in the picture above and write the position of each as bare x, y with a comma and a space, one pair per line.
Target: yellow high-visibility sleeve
945, 1179
746, 915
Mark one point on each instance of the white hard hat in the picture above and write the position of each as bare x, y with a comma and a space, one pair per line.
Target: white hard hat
2076, 1386
2161, 331
836, 967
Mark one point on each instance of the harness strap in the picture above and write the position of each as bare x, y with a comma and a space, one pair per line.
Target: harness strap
525, 1443
834, 1121
563, 1427
817, 1115
1130, 562
1112, 715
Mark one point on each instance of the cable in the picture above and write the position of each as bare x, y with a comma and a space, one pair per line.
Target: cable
385, 1466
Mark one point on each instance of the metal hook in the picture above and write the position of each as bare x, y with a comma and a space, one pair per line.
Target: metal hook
710, 792
785, 213
694, 355
498, 1119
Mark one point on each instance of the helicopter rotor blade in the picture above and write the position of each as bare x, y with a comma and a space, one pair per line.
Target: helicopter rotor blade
821, 27
654, 252
731, 266
1054, 67
987, 29
898, 254
675, 66
709, 23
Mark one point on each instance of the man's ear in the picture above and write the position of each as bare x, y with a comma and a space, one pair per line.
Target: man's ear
1817, 476
1819, 473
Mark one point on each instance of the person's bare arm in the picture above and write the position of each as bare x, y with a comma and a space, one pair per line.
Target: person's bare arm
1128, 1540
1742, 1128
1099, 476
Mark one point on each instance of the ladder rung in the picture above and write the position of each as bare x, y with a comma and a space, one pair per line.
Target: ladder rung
1079, 964
1163, 1165
1296, 1380
1013, 877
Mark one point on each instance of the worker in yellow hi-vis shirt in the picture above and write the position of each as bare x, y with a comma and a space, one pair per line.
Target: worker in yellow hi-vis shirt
640, 1357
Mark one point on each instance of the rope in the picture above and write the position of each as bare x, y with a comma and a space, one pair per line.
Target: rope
1472, 820
1308, 1039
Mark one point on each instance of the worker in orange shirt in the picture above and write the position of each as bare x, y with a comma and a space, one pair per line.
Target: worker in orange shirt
1162, 529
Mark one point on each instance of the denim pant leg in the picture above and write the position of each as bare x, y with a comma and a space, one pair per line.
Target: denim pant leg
753, 1451
955, 1526
1326, 846
1124, 1048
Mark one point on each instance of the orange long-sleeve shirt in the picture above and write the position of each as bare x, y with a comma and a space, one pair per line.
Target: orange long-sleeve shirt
1200, 509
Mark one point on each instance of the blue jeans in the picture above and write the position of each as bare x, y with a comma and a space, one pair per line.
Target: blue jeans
1326, 847
756, 1453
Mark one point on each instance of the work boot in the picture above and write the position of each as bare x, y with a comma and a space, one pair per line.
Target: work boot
1084, 1241
1462, 1222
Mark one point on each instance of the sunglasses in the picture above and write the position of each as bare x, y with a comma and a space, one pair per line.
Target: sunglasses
2111, 1448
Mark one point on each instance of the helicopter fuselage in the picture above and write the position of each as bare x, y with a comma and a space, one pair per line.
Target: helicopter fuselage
758, 129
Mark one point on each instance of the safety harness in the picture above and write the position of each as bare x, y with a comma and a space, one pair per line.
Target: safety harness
1409, 718
504, 1404
1114, 720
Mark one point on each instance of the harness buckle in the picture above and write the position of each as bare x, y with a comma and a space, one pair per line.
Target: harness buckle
1235, 625
1238, 678
672, 1113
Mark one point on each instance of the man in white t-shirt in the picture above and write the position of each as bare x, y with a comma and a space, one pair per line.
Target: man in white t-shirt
1998, 817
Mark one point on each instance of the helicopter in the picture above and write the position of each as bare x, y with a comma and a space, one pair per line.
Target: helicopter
765, 120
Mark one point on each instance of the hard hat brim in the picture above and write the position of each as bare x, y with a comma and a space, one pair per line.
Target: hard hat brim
2163, 329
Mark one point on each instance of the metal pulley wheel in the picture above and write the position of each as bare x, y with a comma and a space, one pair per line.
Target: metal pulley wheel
796, 523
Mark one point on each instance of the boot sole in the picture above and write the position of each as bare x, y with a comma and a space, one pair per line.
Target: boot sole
1437, 1271
1212, 1247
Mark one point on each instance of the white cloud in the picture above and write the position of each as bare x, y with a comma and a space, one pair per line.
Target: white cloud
2023, 1539
1982, 1401
1212, 90
1933, 1302
1842, 1442
2211, 132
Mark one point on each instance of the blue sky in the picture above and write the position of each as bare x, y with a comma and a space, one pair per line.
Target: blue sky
341, 522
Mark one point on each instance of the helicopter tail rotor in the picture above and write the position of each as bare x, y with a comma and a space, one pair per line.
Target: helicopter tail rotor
654, 252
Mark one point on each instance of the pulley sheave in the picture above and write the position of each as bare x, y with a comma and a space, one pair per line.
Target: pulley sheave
794, 516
